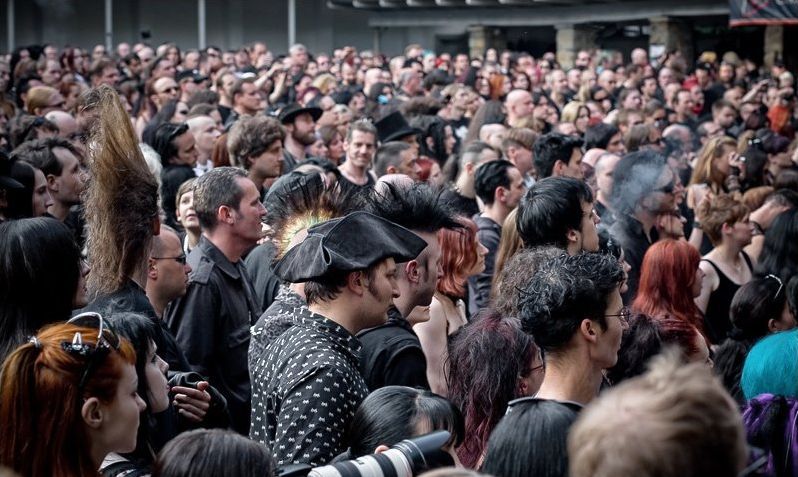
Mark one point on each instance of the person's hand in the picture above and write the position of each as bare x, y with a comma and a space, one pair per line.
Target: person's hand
192, 403
670, 225
696, 194
765, 215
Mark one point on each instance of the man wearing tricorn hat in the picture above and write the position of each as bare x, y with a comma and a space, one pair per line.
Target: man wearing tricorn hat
307, 387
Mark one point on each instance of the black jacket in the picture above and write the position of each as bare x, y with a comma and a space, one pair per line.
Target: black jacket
211, 323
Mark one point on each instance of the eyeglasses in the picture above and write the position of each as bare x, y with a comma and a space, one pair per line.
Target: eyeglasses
624, 315
107, 339
171, 89
181, 259
781, 284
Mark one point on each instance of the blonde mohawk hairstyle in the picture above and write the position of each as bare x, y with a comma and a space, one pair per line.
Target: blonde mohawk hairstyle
122, 197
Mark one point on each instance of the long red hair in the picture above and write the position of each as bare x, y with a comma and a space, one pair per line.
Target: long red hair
458, 257
666, 279
40, 407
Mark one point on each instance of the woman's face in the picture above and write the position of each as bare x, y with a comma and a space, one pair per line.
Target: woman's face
121, 416
81, 299
335, 149
186, 150
318, 149
157, 386
181, 111
521, 82
697, 283
582, 120
186, 215
449, 140
479, 267
41, 195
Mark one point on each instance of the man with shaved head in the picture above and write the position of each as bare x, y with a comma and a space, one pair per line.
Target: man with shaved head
518, 105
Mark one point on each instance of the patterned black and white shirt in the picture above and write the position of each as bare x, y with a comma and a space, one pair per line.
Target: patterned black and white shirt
305, 389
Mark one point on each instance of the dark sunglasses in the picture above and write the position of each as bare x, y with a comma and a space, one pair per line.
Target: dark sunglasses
107, 339
181, 259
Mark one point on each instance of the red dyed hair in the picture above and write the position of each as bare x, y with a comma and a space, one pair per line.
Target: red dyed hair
666, 278
680, 333
40, 407
458, 257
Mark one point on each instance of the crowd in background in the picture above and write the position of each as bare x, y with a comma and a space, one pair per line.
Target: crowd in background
225, 262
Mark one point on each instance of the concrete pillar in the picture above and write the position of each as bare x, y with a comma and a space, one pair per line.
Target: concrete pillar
571, 39
774, 44
481, 37
673, 34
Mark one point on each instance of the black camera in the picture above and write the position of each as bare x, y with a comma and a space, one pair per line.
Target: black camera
406, 459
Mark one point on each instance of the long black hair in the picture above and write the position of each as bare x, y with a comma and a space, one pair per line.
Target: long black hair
213, 452
142, 333
780, 252
39, 274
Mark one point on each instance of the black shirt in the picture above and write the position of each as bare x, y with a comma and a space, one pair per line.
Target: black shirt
305, 390
259, 266
211, 323
132, 298
392, 354
629, 233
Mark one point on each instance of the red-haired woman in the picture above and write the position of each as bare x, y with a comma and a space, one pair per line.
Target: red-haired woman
491, 362
69, 398
461, 257
670, 279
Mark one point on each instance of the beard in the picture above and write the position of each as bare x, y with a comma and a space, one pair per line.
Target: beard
306, 139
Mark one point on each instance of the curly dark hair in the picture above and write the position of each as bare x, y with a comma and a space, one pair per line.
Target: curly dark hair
563, 292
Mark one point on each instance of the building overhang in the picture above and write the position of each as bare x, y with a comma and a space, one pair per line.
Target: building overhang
518, 13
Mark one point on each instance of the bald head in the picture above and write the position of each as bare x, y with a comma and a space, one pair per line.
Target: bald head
592, 155
67, 125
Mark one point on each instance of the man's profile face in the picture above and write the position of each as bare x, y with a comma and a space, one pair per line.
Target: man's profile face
574, 166
72, 181
382, 288
609, 339
409, 165
269, 162
249, 213
432, 271
172, 274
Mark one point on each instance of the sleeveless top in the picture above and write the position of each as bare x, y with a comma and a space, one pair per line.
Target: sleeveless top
717, 322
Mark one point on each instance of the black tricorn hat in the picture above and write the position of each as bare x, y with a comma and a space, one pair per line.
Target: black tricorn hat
394, 126
291, 111
354, 242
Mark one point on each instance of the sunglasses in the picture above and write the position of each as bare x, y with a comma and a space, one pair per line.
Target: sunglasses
181, 259
667, 188
107, 339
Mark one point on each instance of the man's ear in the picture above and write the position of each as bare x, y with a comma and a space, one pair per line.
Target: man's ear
356, 282
499, 194
588, 330
572, 235
430, 143
391, 170
92, 413
152, 270
469, 168
225, 214
52, 182
413, 271
558, 167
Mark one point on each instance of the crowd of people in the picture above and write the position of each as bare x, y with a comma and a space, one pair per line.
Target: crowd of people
238, 263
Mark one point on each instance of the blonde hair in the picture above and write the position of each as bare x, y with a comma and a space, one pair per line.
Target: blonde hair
509, 244
39, 97
571, 111
705, 171
719, 210
672, 421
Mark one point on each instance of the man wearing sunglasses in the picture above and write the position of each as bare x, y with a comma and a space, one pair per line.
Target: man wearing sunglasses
644, 190
211, 322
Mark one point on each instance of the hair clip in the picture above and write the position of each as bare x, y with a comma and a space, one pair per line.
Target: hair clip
35, 342
77, 346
